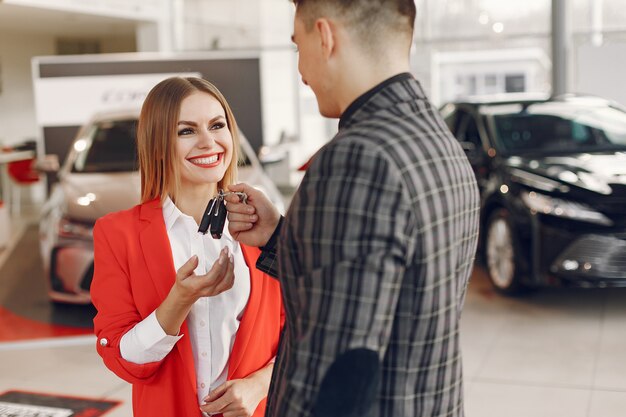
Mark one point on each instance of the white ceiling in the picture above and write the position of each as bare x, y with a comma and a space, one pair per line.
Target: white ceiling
61, 24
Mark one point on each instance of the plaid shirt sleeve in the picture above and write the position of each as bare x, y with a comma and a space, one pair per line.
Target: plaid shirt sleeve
268, 260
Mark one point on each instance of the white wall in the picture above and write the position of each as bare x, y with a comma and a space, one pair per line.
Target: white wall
600, 71
17, 107
220, 24
17, 115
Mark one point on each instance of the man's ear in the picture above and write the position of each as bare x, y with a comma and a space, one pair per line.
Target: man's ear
326, 30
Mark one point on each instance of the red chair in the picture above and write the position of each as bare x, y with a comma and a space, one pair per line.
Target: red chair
22, 173
5, 226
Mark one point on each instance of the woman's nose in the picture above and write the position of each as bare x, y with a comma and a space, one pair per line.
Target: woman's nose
205, 139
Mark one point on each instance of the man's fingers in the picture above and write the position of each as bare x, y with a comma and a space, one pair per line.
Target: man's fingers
239, 227
237, 206
240, 188
188, 267
242, 218
233, 199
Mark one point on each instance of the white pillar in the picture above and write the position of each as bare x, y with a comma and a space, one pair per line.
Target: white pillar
561, 46
160, 35
596, 22
278, 70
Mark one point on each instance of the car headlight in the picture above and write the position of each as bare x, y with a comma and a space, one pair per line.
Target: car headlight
73, 229
542, 203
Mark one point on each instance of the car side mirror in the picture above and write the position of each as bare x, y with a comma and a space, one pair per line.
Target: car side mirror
49, 164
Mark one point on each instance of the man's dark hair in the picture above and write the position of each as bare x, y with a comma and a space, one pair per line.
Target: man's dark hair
370, 20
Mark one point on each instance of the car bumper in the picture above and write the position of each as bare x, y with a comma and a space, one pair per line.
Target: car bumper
576, 255
71, 272
593, 261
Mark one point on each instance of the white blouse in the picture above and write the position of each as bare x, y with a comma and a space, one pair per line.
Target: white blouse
212, 321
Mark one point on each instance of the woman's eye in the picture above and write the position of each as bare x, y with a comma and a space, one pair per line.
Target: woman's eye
184, 132
218, 126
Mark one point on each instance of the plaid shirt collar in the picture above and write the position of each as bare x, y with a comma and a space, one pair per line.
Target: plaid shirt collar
362, 105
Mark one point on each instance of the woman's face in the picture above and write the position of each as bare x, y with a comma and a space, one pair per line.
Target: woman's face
204, 142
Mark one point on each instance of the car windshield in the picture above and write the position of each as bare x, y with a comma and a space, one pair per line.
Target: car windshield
556, 127
108, 147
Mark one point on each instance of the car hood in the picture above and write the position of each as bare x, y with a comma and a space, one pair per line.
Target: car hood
91, 196
602, 173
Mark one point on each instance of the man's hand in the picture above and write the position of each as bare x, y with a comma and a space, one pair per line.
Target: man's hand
236, 398
253, 223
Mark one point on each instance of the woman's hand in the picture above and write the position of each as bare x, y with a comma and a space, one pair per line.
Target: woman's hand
239, 397
235, 398
188, 287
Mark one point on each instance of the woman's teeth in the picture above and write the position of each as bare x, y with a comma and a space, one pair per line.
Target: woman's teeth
205, 161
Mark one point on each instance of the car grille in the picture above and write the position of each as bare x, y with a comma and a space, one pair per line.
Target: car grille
594, 256
613, 207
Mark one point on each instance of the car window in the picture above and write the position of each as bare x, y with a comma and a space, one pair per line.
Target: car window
470, 133
110, 147
467, 128
560, 129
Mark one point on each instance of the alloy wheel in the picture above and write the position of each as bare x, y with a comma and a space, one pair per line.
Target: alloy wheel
500, 254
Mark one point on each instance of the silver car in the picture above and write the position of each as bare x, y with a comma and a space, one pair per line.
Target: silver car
100, 175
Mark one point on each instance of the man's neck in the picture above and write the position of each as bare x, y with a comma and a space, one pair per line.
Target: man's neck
360, 83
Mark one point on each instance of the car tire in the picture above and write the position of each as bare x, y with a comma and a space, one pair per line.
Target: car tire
501, 254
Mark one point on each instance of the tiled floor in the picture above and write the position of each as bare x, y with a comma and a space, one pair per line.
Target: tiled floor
552, 353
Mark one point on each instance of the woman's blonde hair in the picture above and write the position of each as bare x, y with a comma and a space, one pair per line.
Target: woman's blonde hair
157, 133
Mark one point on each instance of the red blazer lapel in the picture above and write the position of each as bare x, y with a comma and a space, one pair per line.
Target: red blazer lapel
157, 253
246, 326
156, 249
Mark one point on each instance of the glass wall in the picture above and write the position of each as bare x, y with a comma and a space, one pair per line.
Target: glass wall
465, 48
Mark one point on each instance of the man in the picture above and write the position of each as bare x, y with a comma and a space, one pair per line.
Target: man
377, 247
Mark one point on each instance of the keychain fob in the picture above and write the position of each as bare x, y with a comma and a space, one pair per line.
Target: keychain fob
206, 217
218, 219
214, 216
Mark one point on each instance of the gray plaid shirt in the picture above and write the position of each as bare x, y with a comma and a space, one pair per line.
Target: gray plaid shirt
376, 251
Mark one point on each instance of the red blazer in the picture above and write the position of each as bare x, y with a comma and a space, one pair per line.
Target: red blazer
134, 272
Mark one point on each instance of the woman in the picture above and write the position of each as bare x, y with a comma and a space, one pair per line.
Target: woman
186, 318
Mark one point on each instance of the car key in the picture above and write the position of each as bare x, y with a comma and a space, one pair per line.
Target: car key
214, 216
218, 218
206, 217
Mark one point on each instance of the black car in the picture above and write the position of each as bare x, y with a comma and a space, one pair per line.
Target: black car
552, 175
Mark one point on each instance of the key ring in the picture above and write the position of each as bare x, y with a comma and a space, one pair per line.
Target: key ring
243, 197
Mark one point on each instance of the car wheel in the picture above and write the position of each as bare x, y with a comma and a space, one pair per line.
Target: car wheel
502, 257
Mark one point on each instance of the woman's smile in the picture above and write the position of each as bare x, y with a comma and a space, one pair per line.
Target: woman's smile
207, 160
